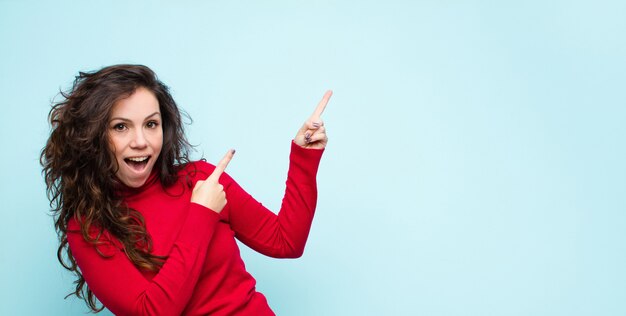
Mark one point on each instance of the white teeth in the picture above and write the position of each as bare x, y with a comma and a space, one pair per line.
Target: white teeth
138, 159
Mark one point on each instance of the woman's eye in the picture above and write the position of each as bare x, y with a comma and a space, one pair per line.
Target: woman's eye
152, 124
119, 127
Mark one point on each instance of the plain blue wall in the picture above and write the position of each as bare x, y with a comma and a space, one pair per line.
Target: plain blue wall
476, 163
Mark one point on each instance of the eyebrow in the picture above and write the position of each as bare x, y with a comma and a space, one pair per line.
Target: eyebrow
127, 120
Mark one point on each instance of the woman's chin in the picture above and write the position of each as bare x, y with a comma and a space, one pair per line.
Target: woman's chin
132, 178
134, 183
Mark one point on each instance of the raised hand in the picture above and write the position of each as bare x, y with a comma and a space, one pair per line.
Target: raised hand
312, 134
210, 193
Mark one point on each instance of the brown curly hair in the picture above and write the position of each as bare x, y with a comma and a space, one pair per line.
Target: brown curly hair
79, 169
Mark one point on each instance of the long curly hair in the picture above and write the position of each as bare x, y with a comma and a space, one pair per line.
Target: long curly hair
79, 169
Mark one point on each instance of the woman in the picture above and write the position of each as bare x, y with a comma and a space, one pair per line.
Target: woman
146, 231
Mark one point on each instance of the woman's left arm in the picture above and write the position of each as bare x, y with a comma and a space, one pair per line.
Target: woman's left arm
283, 235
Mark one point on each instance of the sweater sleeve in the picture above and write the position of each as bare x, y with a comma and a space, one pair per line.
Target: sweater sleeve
281, 235
124, 289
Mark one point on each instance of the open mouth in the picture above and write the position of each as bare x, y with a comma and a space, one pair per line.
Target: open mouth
137, 163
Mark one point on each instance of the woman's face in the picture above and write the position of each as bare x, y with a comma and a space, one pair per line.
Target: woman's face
136, 136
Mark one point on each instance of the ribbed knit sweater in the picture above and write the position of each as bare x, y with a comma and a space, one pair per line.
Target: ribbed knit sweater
203, 273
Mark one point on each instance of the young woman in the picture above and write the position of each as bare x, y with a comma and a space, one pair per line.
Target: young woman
145, 230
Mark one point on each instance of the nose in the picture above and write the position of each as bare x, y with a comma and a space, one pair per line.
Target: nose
139, 140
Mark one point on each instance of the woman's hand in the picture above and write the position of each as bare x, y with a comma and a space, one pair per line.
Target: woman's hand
312, 134
210, 193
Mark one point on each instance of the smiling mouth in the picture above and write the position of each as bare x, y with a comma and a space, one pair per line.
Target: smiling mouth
137, 163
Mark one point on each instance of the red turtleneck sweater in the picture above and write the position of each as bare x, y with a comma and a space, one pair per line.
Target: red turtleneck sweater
203, 273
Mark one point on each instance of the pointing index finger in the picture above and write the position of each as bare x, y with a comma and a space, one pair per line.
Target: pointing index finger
322, 105
221, 166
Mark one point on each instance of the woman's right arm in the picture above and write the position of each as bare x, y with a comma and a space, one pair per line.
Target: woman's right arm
123, 288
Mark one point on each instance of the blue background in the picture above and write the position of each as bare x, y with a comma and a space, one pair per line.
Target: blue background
476, 163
